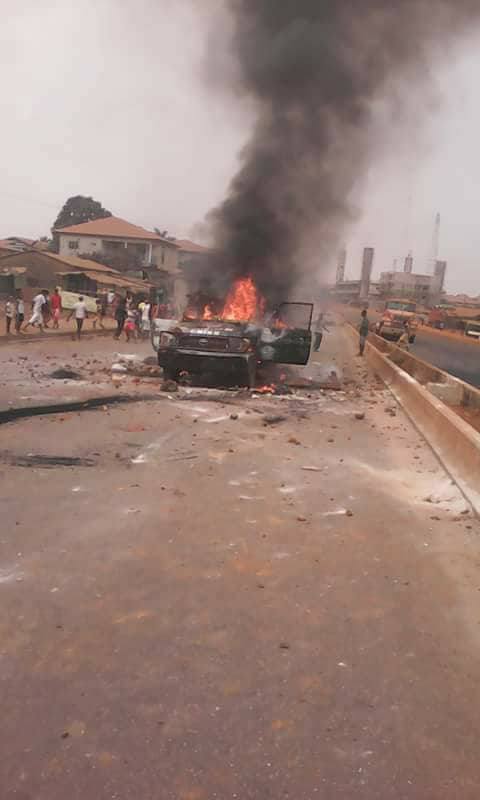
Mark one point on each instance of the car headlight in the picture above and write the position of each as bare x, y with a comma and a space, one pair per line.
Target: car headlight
167, 339
236, 345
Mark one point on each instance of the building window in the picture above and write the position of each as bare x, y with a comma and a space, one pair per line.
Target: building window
163, 256
73, 244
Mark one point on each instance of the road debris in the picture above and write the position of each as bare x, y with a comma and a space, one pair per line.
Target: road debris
48, 462
66, 374
273, 419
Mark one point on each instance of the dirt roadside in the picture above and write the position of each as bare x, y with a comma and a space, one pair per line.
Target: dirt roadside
223, 605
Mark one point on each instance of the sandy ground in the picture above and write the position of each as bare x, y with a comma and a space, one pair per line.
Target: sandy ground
222, 607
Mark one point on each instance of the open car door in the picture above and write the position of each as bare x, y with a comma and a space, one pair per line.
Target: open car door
289, 339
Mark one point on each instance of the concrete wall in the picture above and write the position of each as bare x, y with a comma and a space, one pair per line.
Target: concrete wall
165, 256
428, 375
86, 245
454, 441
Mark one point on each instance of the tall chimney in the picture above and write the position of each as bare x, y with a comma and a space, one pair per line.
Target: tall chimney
408, 266
440, 273
367, 266
342, 261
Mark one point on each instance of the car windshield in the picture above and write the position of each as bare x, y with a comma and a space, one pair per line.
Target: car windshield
397, 305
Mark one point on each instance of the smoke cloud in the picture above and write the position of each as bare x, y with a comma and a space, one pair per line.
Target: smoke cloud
314, 70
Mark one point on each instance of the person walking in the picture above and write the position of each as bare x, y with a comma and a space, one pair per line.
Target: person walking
145, 308
81, 314
38, 303
56, 307
120, 316
19, 313
102, 305
319, 327
9, 312
131, 325
363, 331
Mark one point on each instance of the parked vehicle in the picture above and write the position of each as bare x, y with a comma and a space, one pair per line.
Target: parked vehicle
472, 329
234, 350
392, 323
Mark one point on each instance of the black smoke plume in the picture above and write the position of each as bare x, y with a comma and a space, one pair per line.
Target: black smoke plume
314, 68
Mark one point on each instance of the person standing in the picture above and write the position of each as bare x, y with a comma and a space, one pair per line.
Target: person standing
120, 316
19, 313
145, 308
319, 327
363, 331
38, 303
9, 311
81, 314
404, 341
56, 306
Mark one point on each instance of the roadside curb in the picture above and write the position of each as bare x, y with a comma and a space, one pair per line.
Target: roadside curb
454, 441
26, 338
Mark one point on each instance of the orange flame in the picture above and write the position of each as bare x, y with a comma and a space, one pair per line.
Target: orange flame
244, 303
208, 312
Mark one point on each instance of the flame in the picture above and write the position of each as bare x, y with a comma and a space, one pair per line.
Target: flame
208, 312
244, 303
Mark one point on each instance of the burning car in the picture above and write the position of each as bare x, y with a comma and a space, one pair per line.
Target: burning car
232, 340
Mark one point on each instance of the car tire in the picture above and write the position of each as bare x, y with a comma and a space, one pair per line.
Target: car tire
412, 339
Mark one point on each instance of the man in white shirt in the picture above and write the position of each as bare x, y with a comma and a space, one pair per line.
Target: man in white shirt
20, 313
9, 312
37, 305
81, 314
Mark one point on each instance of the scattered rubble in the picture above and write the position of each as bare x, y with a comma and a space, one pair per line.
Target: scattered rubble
169, 386
273, 419
65, 374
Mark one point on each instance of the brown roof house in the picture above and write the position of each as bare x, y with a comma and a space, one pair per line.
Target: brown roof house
33, 269
130, 248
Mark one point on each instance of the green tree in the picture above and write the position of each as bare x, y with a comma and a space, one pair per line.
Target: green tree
77, 210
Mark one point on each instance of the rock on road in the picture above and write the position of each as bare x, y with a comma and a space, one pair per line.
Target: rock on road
227, 607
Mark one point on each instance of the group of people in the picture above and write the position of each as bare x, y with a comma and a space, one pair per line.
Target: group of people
47, 308
134, 318
14, 314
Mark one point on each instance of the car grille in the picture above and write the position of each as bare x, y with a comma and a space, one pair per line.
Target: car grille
213, 344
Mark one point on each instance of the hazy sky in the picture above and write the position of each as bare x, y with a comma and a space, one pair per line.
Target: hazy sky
108, 99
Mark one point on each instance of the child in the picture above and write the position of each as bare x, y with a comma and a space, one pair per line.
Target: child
131, 325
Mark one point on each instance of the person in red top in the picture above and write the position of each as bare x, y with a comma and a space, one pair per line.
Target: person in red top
56, 306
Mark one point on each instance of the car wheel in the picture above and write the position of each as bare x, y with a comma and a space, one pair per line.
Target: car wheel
411, 339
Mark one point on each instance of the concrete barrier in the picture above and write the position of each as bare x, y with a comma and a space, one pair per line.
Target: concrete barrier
454, 441
451, 390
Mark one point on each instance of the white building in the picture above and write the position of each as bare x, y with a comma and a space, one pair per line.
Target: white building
422, 288
120, 241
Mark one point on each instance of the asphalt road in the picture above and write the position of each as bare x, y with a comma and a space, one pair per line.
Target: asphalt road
225, 606
461, 359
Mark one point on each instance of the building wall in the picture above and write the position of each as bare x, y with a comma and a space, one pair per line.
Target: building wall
87, 245
165, 256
